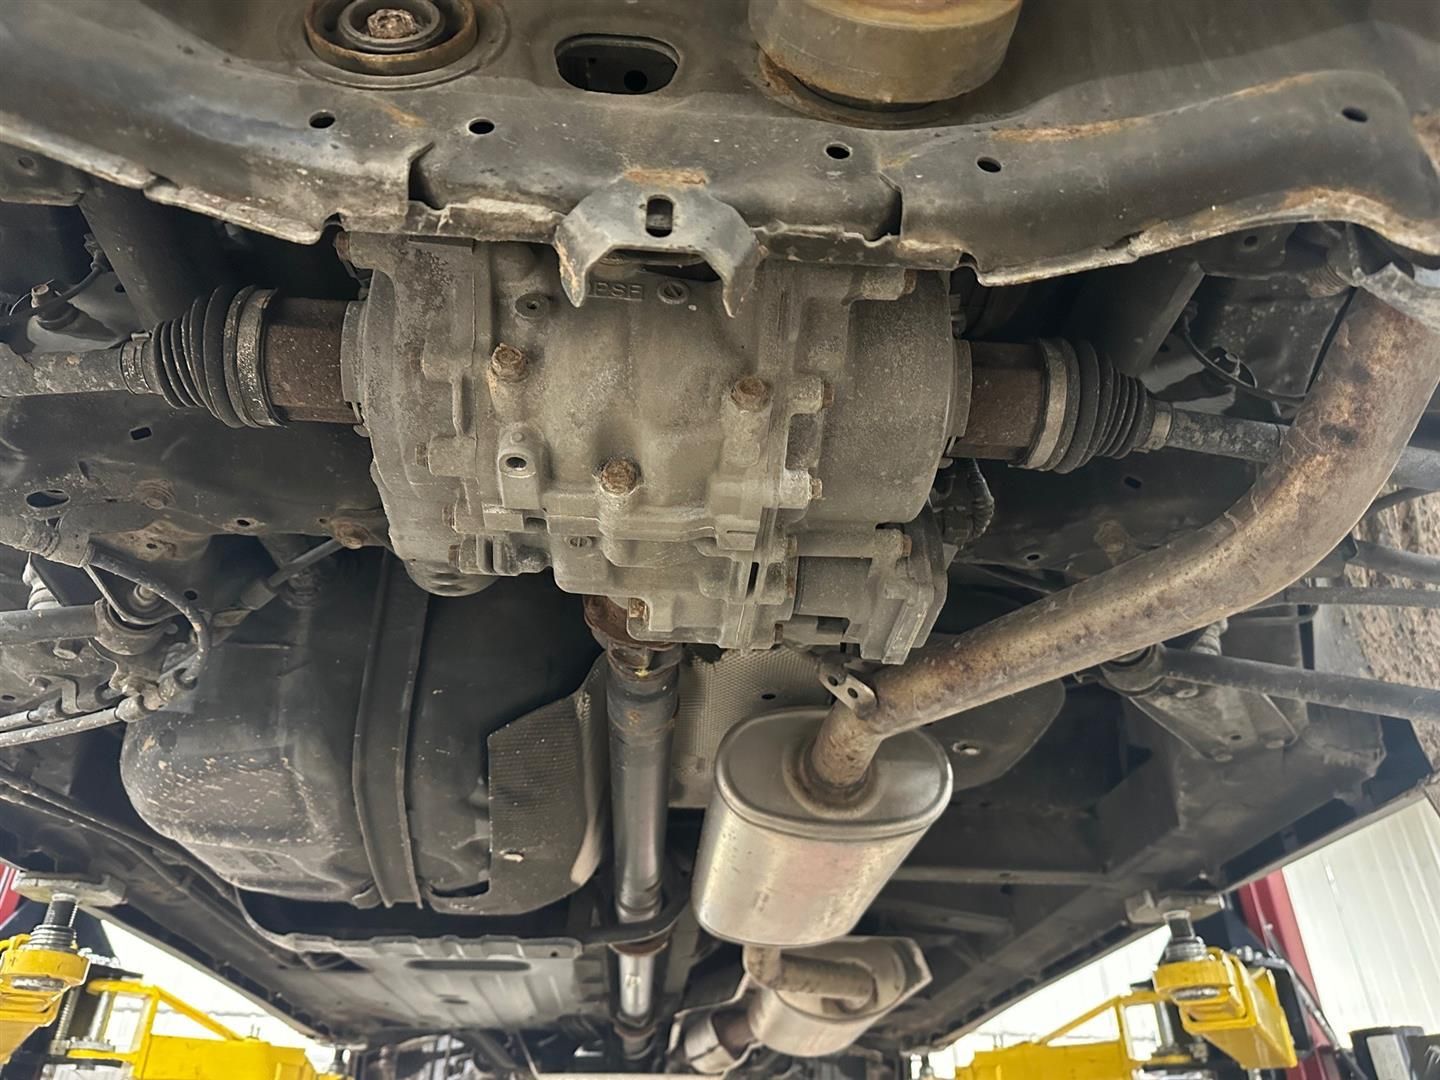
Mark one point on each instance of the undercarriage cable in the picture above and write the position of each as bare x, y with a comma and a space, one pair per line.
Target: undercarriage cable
199, 624
1225, 375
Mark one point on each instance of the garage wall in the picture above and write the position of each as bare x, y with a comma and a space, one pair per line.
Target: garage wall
1369, 909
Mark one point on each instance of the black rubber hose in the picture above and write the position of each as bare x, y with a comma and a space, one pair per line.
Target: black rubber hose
47, 624
1349, 692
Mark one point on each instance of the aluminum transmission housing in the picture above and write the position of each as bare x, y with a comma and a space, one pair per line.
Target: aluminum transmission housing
736, 479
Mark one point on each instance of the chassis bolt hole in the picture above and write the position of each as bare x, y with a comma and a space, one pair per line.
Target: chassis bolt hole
47, 499
659, 216
837, 150
516, 463
1359, 116
1034, 556
26, 162
480, 126
615, 64
322, 119
988, 164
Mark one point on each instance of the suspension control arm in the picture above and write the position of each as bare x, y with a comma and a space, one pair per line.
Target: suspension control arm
1350, 692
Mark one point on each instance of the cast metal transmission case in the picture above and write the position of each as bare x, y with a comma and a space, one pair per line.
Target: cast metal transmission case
736, 450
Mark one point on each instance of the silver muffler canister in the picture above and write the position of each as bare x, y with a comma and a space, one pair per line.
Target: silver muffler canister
779, 868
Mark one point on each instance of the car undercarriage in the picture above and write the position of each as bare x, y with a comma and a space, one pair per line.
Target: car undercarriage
718, 537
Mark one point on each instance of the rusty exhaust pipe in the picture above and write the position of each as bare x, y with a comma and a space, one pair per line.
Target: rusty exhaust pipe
1380, 372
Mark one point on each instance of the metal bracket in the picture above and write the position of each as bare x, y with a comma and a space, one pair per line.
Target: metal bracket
1148, 909
846, 687
88, 892
664, 218
1412, 290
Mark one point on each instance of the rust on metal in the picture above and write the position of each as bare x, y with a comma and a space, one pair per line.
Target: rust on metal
884, 53
619, 476
391, 24
1379, 374
301, 358
750, 393
508, 363
461, 32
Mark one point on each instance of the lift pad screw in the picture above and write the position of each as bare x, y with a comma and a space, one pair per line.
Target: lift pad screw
619, 476
750, 393
508, 363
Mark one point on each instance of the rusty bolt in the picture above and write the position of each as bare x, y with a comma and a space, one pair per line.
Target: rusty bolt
508, 363
817, 487
637, 609
391, 24
349, 533
619, 476
41, 294
342, 245
750, 393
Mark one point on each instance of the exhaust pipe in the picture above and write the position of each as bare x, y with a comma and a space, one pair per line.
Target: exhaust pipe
1382, 368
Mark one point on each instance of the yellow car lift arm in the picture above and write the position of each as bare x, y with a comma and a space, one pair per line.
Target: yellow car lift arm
1232, 1007
38, 970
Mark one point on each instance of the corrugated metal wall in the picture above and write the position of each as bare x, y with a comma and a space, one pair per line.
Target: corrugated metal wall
1369, 908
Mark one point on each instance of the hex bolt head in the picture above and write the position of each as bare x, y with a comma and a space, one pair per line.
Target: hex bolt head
349, 533
750, 393
619, 476
508, 363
